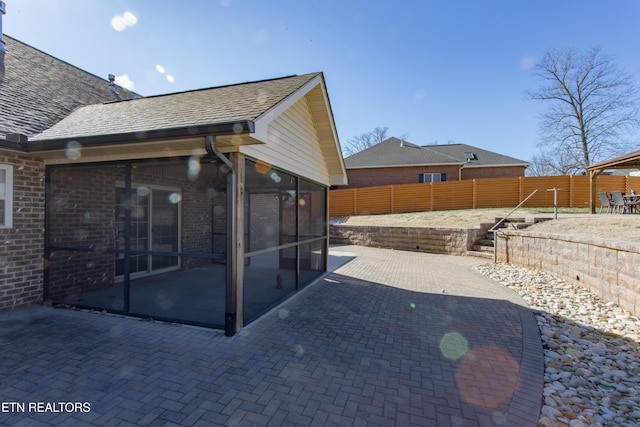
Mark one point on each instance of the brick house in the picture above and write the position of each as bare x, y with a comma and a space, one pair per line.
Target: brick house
205, 207
395, 161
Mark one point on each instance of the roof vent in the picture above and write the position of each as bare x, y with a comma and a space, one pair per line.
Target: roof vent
3, 10
470, 156
112, 83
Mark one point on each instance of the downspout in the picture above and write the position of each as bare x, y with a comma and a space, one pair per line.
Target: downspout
460, 173
232, 257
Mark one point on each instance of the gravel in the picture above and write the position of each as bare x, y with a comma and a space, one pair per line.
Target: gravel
591, 350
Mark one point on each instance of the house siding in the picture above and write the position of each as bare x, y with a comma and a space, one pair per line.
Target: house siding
21, 252
293, 145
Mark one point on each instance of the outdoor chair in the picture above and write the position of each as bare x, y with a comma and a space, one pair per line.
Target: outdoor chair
632, 201
604, 201
618, 203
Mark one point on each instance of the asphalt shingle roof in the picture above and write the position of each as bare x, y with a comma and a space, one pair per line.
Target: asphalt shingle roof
396, 152
39, 90
224, 104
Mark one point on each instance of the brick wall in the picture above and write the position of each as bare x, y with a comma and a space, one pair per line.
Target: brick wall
22, 247
454, 241
83, 216
502, 172
409, 175
385, 176
611, 270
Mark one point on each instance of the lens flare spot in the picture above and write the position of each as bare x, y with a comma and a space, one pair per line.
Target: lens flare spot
274, 176
160, 69
283, 313
302, 202
125, 81
262, 167
262, 96
118, 304
260, 37
137, 212
117, 331
143, 191
299, 350
412, 305
527, 62
193, 168
453, 346
237, 128
487, 377
124, 21
73, 150
175, 198
170, 78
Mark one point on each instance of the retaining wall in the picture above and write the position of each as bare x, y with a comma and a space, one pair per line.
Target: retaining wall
609, 269
452, 241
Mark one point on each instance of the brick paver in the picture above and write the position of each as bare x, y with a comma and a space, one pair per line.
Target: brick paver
389, 338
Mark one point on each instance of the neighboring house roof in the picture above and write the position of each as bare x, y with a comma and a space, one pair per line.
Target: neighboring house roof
39, 90
394, 152
237, 103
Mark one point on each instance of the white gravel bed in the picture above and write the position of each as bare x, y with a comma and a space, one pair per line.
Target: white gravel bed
591, 350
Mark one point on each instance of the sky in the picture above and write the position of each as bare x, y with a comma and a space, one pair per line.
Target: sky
431, 71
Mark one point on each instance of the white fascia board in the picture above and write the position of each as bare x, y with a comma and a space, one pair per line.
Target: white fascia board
262, 123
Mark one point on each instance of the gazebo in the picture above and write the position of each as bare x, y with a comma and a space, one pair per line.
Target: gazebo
626, 161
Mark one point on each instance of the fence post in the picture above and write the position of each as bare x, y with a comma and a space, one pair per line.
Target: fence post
572, 189
520, 187
355, 201
626, 184
474, 190
432, 201
392, 201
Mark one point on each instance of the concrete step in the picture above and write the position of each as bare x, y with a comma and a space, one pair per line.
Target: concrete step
479, 254
483, 248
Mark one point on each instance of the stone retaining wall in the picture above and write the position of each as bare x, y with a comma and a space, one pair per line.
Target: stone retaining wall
609, 269
452, 241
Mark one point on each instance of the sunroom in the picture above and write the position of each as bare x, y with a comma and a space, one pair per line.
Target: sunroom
205, 207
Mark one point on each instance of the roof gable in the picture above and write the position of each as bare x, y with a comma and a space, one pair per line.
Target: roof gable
394, 152
59, 103
39, 90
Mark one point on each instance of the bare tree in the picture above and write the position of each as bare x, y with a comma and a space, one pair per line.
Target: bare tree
592, 107
365, 140
553, 163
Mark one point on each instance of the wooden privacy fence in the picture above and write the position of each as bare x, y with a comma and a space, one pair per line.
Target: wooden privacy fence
471, 194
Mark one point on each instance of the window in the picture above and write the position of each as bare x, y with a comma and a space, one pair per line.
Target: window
432, 177
6, 196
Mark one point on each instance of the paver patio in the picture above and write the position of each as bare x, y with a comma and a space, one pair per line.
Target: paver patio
389, 338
